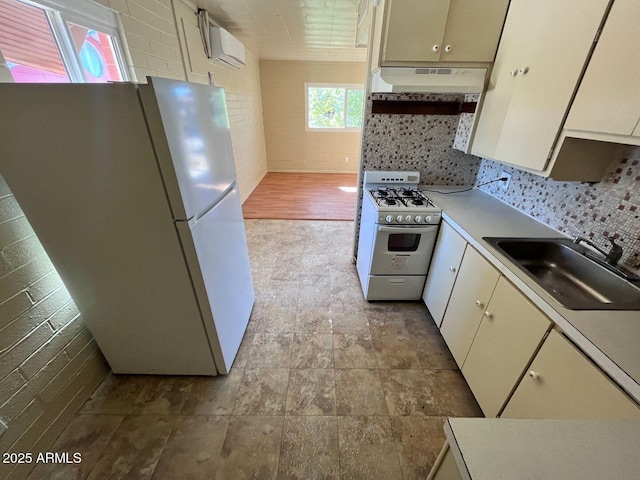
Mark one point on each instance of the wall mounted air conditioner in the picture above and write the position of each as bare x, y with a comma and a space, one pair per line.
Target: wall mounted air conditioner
226, 48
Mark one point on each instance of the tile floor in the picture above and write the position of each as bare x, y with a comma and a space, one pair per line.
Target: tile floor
325, 386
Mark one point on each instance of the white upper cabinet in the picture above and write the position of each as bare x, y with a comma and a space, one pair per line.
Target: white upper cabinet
426, 31
608, 100
544, 48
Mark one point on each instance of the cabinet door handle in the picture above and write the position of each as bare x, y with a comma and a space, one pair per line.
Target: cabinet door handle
523, 70
452, 269
513, 73
448, 48
479, 304
533, 374
488, 315
435, 48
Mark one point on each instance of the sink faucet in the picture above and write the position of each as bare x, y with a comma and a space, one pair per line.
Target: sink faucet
611, 257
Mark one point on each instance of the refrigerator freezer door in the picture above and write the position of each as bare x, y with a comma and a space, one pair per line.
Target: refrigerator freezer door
216, 249
190, 129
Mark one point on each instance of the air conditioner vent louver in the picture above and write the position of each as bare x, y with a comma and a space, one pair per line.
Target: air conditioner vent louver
434, 71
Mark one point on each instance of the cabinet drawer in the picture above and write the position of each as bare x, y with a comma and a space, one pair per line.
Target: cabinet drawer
563, 383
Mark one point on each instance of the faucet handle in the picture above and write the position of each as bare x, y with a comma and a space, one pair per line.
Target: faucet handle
615, 253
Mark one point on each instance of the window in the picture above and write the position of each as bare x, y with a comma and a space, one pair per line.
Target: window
57, 41
334, 107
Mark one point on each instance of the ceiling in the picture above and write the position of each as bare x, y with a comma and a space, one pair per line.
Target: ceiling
311, 30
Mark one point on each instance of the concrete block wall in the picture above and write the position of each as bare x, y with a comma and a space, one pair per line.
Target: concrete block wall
151, 36
49, 362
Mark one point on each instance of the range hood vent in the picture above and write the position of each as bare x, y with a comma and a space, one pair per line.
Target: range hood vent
428, 80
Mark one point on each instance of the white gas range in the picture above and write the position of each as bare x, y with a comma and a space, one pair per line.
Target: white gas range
398, 230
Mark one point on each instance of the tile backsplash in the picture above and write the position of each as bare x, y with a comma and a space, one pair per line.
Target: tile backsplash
416, 142
609, 208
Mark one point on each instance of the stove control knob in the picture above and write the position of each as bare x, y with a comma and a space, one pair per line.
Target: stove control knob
427, 219
408, 219
417, 218
399, 218
389, 219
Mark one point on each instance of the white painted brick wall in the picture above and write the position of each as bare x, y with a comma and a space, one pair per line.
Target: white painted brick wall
44, 344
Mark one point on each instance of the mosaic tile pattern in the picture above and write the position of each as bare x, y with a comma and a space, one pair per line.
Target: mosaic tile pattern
465, 125
416, 142
325, 385
609, 208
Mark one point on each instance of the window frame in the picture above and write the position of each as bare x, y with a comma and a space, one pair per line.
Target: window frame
347, 87
87, 14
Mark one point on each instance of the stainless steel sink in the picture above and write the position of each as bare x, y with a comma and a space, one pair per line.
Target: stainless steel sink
563, 270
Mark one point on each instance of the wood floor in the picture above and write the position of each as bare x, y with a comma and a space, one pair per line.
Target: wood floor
303, 196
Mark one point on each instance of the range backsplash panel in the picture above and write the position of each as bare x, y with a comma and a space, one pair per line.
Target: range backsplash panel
609, 208
416, 142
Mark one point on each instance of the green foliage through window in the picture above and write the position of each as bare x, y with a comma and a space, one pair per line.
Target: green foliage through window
334, 107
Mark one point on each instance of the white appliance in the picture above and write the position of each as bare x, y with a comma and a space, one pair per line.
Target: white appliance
428, 79
398, 230
132, 191
226, 48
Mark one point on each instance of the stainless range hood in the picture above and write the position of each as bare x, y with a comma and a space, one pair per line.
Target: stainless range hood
428, 80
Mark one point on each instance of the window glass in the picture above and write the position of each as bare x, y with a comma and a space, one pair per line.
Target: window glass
334, 107
97, 54
28, 45
42, 44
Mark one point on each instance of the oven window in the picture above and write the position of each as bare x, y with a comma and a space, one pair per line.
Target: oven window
403, 242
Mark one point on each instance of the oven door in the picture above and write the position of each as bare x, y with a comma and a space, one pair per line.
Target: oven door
402, 250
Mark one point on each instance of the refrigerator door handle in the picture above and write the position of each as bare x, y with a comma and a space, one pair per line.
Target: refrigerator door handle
196, 218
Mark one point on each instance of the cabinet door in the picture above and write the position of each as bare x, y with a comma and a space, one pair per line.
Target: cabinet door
563, 383
544, 47
473, 30
443, 271
471, 293
508, 337
608, 100
413, 28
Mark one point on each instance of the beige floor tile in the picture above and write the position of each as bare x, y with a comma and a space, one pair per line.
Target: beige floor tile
359, 392
451, 394
311, 392
270, 350
275, 319
193, 449
214, 395
367, 449
395, 351
433, 352
309, 449
407, 392
116, 394
349, 321
263, 391
135, 448
354, 351
279, 293
251, 449
418, 442
87, 435
347, 296
387, 323
314, 320
318, 279
312, 351
314, 296
163, 395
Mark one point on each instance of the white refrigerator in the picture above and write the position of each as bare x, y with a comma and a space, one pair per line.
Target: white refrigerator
132, 191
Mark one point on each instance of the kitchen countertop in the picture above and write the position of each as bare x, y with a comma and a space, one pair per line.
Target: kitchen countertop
567, 449
610, 338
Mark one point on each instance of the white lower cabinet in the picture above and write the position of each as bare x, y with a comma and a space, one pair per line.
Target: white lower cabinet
443, 272
471, 293
509, 335
563, 383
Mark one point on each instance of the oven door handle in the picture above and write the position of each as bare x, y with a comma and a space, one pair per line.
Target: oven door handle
408, 229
